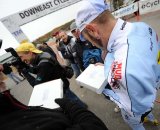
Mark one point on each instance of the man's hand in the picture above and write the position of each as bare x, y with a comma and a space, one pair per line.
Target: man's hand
99, 63
62, 102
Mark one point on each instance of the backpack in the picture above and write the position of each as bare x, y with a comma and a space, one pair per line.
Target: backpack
91, 56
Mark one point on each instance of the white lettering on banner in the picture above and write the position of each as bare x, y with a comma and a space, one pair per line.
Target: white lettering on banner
149, 6
13, 22
126, 10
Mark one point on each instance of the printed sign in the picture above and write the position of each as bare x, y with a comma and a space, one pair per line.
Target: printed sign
126, 10
13, 22
149, 6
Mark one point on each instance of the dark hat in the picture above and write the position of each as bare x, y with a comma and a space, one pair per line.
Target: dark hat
73, 26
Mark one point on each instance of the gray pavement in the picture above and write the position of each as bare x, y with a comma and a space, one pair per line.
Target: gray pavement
102, 107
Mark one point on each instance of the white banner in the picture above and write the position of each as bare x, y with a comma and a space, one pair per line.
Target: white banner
126, 10
149, 6
13, 22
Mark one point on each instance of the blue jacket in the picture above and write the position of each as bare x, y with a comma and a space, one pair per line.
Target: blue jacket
132, 66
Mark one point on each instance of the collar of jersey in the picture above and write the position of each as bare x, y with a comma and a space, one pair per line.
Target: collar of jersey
115, 34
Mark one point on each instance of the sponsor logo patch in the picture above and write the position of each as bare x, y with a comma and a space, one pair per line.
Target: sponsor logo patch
116, 74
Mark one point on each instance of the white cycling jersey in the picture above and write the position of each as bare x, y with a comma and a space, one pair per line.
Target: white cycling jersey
132, 66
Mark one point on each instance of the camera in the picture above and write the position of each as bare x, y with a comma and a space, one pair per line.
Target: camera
16, 60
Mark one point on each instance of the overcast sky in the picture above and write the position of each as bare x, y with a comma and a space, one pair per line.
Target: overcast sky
36, 28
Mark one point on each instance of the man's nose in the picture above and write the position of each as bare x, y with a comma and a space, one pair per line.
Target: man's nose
23, 59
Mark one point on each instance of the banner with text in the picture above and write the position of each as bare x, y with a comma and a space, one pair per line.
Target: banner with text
126, 10
149, 6
13, 22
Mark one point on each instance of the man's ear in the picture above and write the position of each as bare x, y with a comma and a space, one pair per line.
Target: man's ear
92, 30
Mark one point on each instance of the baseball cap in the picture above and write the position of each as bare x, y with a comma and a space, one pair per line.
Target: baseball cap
73, 26
25, 47
89, 10
55, 34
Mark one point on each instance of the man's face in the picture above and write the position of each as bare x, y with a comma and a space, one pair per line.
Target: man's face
26, 57
75, 33
63, 36
93, 39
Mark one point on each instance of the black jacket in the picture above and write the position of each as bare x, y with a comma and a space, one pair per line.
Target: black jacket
70, 117
9, 104
69, 49
46, 69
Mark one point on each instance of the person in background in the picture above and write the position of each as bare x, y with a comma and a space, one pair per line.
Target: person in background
8, 71
8, 103
79, 48
51, 48
46, 69
57, 37
54, 38
54, 46
71, 116
132, 65
70, 51
86, 52
84, 44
